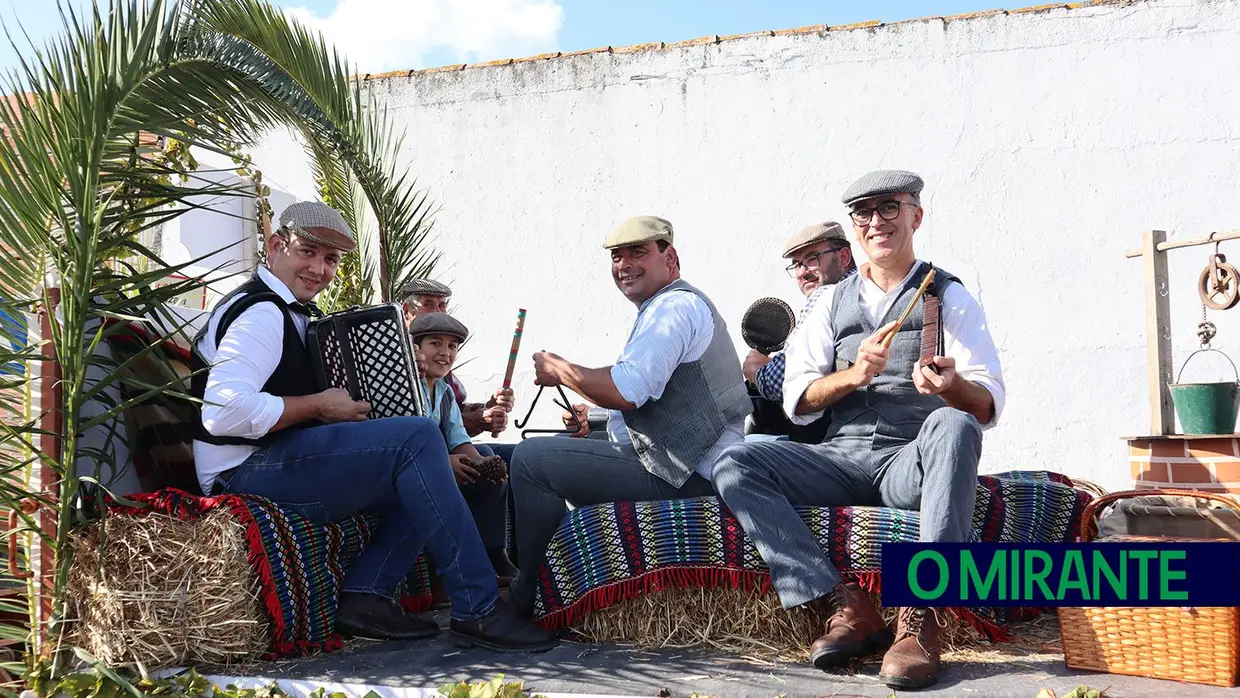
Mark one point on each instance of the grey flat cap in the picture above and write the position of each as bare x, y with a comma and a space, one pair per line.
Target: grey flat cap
638, 231
425, 287
883, 183
330, 227
438, 323
813, 235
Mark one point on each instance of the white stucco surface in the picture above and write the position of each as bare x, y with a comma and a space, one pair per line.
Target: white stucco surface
1048, 140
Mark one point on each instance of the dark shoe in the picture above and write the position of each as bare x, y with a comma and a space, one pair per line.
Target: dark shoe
375, 618
439, 595
504, 630
504, 569
854, 629
913, 661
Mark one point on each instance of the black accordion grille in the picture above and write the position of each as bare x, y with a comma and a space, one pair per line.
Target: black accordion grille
366, 352
333, 360
382, 375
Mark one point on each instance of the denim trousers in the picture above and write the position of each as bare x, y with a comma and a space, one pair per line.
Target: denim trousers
396, 469
551, 473
763, 481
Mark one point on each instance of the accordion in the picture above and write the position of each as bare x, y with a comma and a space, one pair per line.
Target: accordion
367, 352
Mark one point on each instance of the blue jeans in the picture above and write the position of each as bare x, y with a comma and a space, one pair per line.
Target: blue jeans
397, 469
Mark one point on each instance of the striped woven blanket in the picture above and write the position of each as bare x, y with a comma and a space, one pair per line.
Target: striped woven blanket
606, 553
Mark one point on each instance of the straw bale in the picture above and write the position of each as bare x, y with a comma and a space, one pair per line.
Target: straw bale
751, 624
162, 592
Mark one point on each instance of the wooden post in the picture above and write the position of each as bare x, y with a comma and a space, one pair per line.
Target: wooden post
1158, 332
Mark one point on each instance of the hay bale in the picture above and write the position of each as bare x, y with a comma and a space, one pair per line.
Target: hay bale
741, 622
164, 592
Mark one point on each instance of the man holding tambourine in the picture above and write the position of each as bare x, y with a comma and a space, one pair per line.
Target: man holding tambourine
820, 256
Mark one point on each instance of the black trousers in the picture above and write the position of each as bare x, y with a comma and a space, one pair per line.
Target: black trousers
488, 502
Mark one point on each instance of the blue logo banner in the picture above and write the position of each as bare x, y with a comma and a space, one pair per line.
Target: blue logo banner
1062, 574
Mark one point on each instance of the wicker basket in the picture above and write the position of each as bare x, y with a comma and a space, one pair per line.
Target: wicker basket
1196, 645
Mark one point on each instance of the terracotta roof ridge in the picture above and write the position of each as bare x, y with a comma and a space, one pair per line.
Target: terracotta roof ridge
716, 39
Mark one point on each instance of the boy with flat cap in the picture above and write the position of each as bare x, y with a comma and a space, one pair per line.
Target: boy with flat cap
266, 431
438, 336
821, 256
676, 400
905, 432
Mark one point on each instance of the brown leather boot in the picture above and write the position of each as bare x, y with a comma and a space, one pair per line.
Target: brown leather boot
854, 629
913, 661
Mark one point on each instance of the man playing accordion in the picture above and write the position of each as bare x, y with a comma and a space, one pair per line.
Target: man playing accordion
267, 432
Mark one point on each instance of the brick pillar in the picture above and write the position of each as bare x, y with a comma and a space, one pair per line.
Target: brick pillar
1211, 464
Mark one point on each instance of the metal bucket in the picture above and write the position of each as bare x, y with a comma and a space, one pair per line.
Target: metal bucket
1207, 408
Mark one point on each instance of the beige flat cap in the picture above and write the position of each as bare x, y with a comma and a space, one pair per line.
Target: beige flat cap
814, 234
330, 227
639, 230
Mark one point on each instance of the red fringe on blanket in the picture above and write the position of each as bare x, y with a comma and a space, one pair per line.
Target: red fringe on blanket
715, 578
416, 603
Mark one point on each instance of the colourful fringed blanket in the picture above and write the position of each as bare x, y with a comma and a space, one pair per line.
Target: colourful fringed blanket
606, 553
299, 563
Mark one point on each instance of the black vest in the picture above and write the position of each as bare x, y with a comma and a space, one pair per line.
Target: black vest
294, 375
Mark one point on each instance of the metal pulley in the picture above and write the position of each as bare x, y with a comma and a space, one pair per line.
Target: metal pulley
1219, 283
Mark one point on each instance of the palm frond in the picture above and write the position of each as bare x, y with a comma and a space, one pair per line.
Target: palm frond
85, 171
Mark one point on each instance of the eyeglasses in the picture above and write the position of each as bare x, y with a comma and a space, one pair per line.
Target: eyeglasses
888, 210
811, 262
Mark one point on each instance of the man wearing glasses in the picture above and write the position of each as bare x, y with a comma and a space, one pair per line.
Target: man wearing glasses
821, 256
905, 433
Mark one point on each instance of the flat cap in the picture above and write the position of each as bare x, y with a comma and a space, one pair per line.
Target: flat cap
425, 287
438, 323
883, 183
638, 231
813, 235
330, 228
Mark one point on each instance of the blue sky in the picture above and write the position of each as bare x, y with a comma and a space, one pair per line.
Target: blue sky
397, 34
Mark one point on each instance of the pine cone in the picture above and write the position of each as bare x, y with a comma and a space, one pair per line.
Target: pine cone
492, 469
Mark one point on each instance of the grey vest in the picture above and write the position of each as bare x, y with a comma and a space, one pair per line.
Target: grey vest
672, 434
889, 409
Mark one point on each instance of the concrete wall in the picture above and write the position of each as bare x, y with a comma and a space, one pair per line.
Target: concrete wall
1049, 141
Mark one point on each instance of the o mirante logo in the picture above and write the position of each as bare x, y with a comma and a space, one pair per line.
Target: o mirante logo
1061, 574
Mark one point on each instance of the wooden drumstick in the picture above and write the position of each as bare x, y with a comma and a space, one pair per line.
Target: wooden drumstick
904, 316
512, 354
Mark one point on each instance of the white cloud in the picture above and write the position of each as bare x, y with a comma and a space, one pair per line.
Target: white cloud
379, 35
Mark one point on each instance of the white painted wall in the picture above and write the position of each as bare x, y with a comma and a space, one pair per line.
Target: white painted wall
1049, 141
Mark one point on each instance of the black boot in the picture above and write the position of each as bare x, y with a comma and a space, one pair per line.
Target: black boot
504, 569
504, 630
373, 617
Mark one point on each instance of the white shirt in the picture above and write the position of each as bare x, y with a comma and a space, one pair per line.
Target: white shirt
246, 358
966, 338
675, 328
